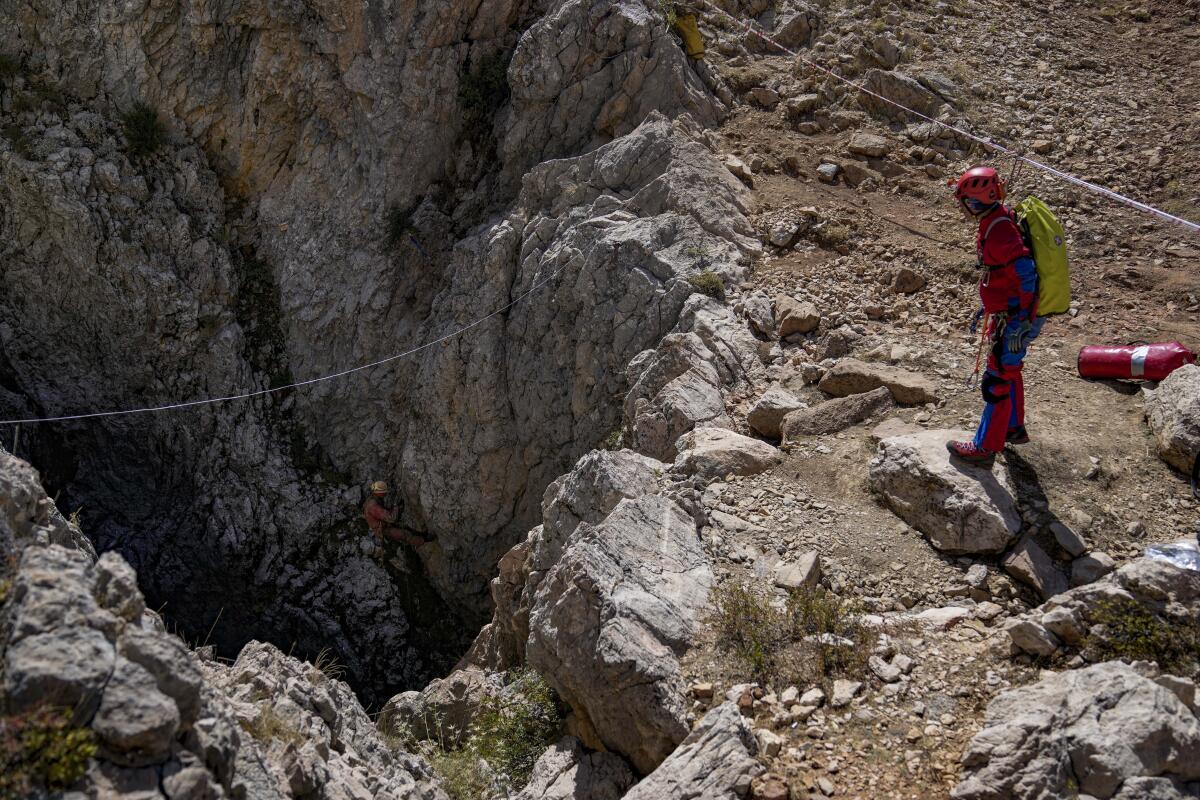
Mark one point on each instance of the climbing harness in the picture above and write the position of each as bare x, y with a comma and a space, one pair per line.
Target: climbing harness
981, 321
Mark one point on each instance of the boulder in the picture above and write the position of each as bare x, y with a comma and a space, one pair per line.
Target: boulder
901, 89
611, 619
770, 409
1091, 568
1028, 563
1099, 731
844, 691
443, 710
1173, 412
907, 281
803, 572
1070, 541
795, 316
135, 722
672, 389
960, 507
869, 145
567, 772
716, 452
851, 376
171, 664
1169, 592
764, 97
1031, 637
759, 314
835, 415
717, 760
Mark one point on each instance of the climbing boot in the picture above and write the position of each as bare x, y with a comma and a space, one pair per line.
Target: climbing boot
968, 452
1018, 435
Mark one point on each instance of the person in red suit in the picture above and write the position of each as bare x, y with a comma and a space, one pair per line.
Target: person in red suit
1008, 288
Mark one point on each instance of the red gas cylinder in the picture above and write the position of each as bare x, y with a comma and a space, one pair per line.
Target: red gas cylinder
1144, 362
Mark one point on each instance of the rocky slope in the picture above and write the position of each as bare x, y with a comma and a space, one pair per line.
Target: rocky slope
304, 217
773, 430
146, 715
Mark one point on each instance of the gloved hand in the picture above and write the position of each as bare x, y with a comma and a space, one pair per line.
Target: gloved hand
974, 326
1017, 334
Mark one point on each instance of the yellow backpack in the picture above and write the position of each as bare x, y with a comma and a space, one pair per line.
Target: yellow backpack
1045, 238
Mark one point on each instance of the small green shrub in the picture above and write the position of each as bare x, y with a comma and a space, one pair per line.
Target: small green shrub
269, 726
509, 733
613, 440
41, 749
831, 236
709, 283
144, 131
482, 91
812, 636
1131, 631
669, 11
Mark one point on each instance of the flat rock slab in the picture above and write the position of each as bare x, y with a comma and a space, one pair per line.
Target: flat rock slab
716, 452
1029, 564
961, 508
851, 376
835, 415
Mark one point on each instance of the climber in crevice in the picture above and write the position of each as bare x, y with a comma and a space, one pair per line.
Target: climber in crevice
381, 519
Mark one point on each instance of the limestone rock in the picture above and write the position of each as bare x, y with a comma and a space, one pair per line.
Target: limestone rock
867, 144
1096, 731
844, 691
566, 772
901, 89
759, 314
835, 415
851, 376
716, 452
135, 722
28, 516
770, 409
673, 389
570, 77
1032, 637
443, 710
795, 316
907, 281
1091, 568
1173, 412
961, 508
588, 493
1029, 564
715, 758
611, 619
803, 572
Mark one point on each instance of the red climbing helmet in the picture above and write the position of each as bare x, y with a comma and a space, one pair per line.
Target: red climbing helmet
982, 184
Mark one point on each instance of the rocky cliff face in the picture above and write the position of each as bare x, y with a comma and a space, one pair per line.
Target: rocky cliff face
341, 183
127, 709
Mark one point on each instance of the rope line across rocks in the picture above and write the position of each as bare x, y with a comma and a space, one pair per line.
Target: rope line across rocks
750, 28
298, 384
1019, 157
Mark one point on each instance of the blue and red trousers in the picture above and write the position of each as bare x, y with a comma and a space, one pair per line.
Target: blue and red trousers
1003, 388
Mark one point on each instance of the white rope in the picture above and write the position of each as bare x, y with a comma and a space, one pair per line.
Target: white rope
298, 384
1066, 176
